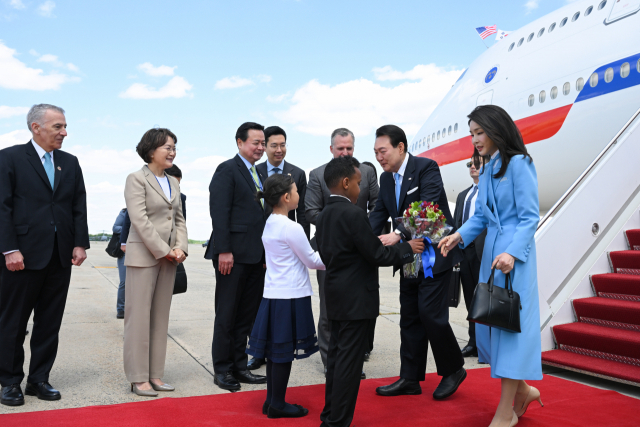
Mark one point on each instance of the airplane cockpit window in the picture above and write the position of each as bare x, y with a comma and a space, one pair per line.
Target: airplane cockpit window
588, 11
608, 75
530, 37
624, 70
575, 17
455, 128
520, 42
543, 96
601, 5
579, 84
438, 134
564, 21
566, 88
554, 92
541, 32
512, 45
593, 80
552, 27
532, 99
449, 133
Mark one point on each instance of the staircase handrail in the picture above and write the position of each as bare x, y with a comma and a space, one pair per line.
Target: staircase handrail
556, 207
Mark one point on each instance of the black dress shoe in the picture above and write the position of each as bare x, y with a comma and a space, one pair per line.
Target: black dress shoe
12, 395
449, 384
469, 351
226, 381
120, 315
363, 376
265, 408
42, 390
276, 413
366, 356
248, 378
400, 387
255, 363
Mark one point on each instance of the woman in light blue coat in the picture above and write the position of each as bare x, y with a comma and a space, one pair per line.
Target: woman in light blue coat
507, 206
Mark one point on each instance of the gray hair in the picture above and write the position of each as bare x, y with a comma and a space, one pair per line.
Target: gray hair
36, 113
342, 132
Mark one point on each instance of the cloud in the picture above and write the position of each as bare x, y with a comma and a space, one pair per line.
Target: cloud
17, 4
46, 9
263, 78
6, 112
53, 59
162, 70
47, 58
15, 137
177, 87
15, 74
363, 105
233, 82
278, 99
531, 5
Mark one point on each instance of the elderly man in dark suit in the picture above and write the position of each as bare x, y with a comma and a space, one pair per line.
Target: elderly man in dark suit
236, 249
424, 308
43, 232
472, 253
317, 197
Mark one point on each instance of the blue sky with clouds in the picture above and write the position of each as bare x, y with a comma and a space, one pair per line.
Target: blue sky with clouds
201, 68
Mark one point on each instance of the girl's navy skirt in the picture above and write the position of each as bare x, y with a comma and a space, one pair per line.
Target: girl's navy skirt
284, 330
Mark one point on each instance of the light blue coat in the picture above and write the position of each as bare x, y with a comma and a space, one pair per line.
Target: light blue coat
508, 207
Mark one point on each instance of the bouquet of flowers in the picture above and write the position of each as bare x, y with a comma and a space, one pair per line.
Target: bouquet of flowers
424, 220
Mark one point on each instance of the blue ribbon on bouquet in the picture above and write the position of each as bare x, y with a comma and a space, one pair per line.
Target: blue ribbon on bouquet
428, 258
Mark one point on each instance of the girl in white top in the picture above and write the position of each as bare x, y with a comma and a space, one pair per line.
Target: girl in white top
284, 328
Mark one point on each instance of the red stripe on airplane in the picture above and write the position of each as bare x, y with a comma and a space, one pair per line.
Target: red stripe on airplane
533, 129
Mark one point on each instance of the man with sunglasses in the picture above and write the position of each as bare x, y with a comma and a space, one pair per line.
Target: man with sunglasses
472, 254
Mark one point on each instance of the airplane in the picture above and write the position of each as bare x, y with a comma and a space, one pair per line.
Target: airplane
569, 79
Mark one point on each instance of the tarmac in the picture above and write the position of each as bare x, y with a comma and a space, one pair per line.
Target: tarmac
89, 369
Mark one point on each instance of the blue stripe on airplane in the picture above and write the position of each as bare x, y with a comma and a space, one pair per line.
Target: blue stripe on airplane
618, 83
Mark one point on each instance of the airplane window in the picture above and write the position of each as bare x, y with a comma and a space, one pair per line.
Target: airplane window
530, 37
433, 137
541, 32
579, 84
444, 131
543, 96
638, 66
438, 134
455, 128
564, 21
428, 139
588, 11
554, 92
512, 45
552, 27
593, 80
624, 70
575, 17
608, 75
532, 99
449, 133
520, 42
566, 88
601, 5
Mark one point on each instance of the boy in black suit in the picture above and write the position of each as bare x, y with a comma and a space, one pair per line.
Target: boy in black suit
352, 254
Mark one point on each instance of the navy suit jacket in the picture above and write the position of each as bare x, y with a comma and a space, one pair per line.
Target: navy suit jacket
237, 218
457, 215
421, 182
32, 214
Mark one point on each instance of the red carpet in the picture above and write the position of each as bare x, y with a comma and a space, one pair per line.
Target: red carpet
566, 404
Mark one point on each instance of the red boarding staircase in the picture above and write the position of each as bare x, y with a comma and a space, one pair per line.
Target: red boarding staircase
605, 339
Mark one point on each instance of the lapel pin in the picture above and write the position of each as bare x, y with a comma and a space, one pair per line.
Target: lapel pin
289, 174
59, 168
409, 178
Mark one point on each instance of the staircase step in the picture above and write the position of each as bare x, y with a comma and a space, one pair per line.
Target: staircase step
608, 369
608, 312
614, 285
633, 237
618, 343
626, 262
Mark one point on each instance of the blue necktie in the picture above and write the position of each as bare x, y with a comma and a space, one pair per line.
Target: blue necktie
467, 205
398, 189
48, 168
276, 170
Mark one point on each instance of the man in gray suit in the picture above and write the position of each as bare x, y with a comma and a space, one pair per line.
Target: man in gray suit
316, 198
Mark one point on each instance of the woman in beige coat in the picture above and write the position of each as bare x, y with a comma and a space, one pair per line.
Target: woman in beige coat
157, 243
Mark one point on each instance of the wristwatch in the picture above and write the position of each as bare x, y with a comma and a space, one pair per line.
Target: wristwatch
398, 232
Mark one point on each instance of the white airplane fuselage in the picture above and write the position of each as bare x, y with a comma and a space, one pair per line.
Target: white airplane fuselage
535, 74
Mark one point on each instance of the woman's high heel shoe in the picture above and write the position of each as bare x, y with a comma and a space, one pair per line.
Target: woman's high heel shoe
145, 393
534, 394
163, 387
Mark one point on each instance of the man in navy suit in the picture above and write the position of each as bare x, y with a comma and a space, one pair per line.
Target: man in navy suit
424, 308
43, 232
236, 249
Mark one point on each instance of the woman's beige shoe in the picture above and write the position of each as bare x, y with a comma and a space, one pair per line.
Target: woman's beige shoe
514, 420
163, 387
145, 393
534, 394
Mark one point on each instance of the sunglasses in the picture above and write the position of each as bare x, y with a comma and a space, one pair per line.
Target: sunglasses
476, 164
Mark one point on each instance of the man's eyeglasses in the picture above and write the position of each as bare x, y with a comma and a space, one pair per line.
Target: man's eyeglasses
476, 164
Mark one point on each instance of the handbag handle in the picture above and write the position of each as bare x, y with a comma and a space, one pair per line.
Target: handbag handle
490, 281
507, 282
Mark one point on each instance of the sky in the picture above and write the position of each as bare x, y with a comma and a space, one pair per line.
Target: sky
202, 68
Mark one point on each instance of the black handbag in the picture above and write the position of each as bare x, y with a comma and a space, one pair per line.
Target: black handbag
113, 248
495, 306
180, 285
454, 288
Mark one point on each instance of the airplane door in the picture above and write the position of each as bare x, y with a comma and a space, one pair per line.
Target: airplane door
622, 8
487, 97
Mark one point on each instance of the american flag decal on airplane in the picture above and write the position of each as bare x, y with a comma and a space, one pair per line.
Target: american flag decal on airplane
485, 32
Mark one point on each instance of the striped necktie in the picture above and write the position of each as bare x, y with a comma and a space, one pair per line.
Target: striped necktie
256, 181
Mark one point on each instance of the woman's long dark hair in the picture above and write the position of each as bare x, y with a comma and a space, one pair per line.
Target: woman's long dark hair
274, 188
501, 129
